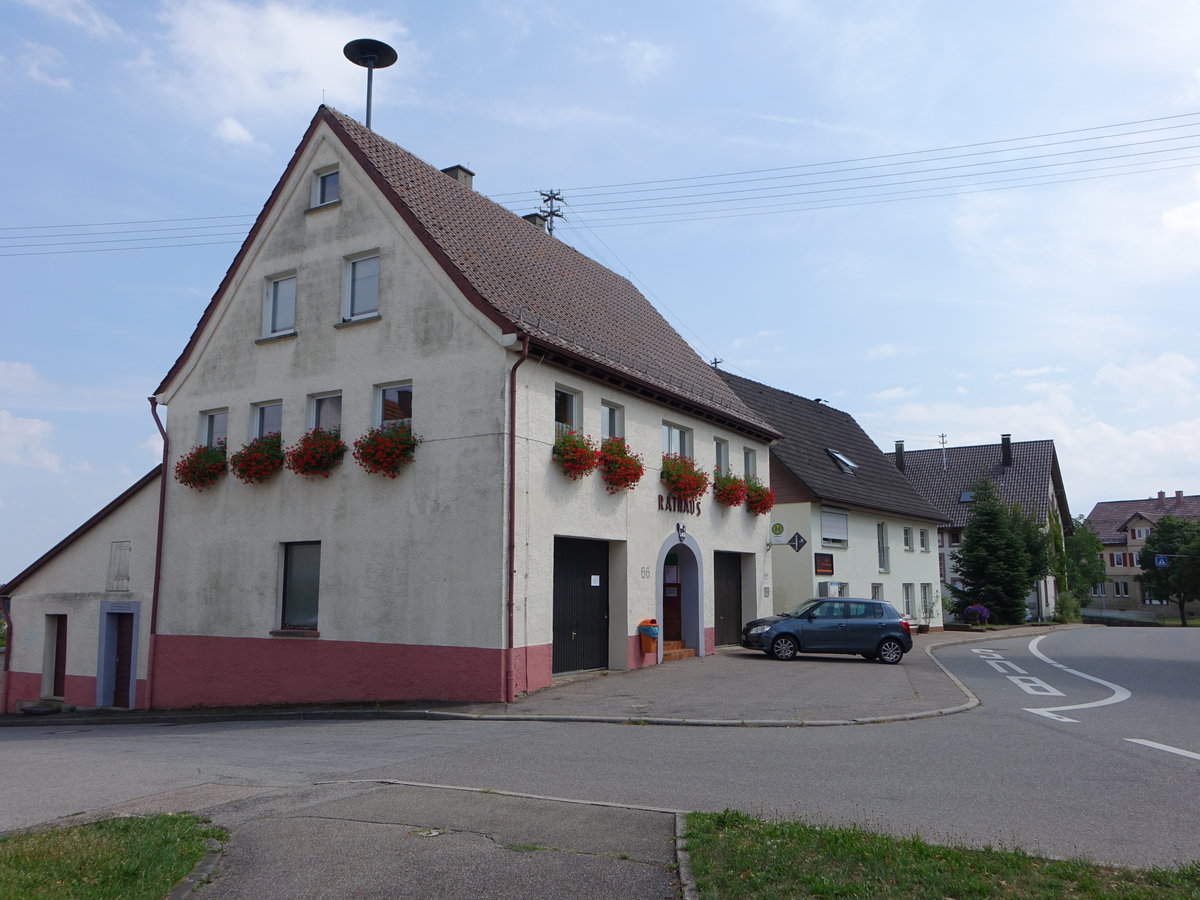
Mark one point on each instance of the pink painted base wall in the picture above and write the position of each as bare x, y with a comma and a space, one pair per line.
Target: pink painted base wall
635, 658
79, 690
224, 671
710, 641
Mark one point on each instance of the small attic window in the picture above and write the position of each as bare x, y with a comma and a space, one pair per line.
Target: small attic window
966, 497
846, 464
326, 187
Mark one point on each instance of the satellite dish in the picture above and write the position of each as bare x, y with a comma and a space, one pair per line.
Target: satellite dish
371, 55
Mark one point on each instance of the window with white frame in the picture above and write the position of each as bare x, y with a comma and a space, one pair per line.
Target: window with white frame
923, 539
301, 585
1099, 590
394, 405
327, 187
881, 541
612, 420
927, 607
566, 410
1120, 588
215, 427
268, 418
721, 455
279, 306
327, 412
676, 439
835, 528
749, 462
955, 538
908, 538
877, 591
908, 599
361, 288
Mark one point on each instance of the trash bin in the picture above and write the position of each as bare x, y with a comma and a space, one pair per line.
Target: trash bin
648, 633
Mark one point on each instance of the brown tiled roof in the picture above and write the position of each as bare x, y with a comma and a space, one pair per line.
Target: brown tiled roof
1028, 481
810, 430
1109, 517
576, 311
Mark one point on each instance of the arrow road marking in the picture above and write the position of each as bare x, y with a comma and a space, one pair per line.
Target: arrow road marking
1188, 753
1051, 712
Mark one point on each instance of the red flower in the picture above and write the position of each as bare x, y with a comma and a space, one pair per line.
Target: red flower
259, 459
683, 480
619, 468
760, 499
728, 489
385, 451
316, 453
201, 466
576, 454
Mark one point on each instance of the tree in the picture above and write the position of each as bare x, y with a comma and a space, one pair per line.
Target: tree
1003, 554
1079, 569
1179, 581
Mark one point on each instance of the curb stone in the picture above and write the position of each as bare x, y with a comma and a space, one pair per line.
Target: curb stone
200, 875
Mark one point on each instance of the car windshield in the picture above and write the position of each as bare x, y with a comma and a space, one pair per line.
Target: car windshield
801, 608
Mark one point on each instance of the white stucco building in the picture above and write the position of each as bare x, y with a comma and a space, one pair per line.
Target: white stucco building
375, 289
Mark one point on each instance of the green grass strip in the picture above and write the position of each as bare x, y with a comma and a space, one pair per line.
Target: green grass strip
736, 856
130, 858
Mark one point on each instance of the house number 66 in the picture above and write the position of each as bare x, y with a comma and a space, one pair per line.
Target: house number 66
647, 572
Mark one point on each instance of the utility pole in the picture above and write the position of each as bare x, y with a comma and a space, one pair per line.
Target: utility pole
942, 437
551, 197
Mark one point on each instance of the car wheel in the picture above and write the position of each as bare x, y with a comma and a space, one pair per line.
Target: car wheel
890, 651
784, 647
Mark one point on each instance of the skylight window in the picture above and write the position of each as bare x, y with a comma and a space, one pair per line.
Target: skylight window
966, 497
846, 464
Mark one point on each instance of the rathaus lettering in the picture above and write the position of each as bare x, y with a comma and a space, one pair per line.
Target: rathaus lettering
674, 504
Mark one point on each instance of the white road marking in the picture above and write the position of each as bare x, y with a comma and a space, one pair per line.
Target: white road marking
1188, 753
999, 664
1051, 712
1031, 685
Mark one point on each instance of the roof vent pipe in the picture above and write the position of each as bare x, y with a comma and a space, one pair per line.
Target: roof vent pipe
900, 455
1006, 450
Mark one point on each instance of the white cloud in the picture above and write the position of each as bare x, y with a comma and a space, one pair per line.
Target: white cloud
1170, 378
883, 351
40, 60
644, 60
739, 343
241, 61
896, 393
152, 445
79, 13
1033, 373
232, 131
23, 442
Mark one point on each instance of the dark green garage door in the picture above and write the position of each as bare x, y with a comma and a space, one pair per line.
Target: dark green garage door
580, 605
727, 597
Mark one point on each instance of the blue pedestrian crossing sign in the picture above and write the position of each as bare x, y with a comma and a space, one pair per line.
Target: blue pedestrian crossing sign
1161, 562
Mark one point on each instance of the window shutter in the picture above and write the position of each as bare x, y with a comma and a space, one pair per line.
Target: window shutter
118, 565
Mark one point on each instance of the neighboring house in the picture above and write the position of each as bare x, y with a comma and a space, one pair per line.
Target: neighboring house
374, 289
1025, 473
868, 532
1123, 526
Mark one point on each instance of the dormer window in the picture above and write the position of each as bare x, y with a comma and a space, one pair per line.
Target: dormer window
326, 187
844, 463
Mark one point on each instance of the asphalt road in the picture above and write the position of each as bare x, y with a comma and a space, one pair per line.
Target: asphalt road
996, 775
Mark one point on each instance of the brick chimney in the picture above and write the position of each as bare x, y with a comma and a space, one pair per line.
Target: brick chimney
1162, 497
1006, 450
461, 174
900, 455
1179, 496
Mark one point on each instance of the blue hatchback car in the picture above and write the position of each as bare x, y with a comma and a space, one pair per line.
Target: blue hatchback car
871, 628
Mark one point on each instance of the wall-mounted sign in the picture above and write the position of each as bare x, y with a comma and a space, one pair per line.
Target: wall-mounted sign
674, 504
823, 563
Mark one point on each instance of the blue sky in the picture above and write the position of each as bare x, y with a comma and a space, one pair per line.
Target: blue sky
1061, 309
